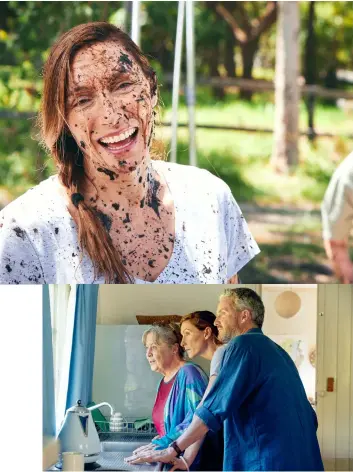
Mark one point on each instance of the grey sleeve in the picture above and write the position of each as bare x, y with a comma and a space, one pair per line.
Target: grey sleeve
337, 206
217, 361
19, 263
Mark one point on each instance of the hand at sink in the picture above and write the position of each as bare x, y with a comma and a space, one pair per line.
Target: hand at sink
145, 448
113, 454
123, 446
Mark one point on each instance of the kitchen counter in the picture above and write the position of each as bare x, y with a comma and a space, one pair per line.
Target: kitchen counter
113, 451
115, 461
114, 448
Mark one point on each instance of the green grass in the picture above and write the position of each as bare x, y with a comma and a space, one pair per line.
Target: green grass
243, 159
289, 261
258, 113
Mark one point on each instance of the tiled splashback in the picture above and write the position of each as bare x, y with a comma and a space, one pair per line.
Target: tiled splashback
122, 375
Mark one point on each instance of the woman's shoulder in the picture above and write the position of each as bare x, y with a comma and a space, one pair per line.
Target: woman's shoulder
36, 205
217, 358
192, 177
191, 370
218, 355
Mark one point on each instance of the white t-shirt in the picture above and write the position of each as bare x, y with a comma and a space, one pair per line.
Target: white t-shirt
337, 205
216, 360
39, 243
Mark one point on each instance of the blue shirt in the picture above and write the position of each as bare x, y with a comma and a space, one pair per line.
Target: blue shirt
269, 423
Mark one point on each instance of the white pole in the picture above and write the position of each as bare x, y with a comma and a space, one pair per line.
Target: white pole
176, 78
190, 88
135, 22
287, 92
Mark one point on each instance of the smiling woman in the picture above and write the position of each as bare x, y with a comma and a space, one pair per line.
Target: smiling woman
112, 214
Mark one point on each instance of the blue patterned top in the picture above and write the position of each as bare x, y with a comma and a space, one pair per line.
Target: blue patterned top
187, 391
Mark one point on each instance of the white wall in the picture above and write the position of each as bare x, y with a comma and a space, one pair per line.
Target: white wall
119, 304
300, 328
335, 359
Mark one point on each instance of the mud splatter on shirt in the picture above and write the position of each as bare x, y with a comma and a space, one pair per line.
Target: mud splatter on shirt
38, 237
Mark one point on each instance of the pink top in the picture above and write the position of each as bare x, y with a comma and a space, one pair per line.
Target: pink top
158, 409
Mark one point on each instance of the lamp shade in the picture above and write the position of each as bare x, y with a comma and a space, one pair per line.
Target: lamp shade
288, 304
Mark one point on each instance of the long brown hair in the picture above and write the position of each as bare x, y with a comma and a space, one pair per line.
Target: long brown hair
201, 320
92, 235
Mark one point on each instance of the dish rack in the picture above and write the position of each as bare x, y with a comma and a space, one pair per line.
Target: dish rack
126, 426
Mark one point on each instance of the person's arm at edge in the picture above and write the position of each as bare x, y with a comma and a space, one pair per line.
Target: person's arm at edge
234, 279
338, 255
337, 217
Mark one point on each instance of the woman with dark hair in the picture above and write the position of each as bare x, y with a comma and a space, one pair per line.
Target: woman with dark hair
112, 214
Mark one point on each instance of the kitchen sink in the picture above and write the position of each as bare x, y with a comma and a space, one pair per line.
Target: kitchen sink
114, 450
121, 446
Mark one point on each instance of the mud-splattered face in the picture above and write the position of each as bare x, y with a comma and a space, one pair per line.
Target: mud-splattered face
109, 107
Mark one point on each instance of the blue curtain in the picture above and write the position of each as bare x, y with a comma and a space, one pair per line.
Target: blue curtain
48, 369
82, 355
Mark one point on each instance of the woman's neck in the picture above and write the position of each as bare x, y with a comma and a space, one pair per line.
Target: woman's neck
129, 189
210, 350
172, 369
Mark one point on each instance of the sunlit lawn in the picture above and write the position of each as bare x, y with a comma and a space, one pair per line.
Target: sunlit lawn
243, 159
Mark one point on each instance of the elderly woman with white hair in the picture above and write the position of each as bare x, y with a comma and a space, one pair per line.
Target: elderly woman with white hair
179, 392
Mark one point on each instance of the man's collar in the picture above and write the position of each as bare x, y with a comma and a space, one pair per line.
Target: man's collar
254, 330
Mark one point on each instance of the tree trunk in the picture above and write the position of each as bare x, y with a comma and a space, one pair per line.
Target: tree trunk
248, 34
128, 16
310, 73
286, 129
217, 92
331, 81
310, 47
105, 12
248, 53
6, 14
229, 57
